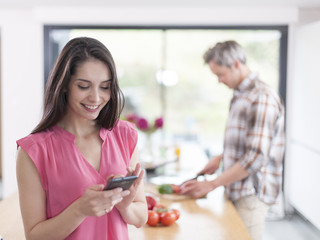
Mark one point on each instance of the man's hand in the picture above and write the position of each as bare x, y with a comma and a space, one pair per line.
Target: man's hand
197, 189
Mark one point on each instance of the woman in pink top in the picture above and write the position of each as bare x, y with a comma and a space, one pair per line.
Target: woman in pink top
79, 144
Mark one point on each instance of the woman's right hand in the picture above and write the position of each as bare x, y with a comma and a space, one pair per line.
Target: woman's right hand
97, 202
212, 165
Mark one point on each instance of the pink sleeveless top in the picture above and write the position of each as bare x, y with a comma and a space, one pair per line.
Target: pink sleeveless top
65, 174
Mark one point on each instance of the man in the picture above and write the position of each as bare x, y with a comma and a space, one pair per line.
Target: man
254, 140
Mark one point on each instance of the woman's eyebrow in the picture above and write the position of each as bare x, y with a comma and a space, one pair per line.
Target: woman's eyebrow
109, 80
84, 80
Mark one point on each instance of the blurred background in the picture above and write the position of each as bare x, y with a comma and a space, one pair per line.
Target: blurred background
158, 48
162, 73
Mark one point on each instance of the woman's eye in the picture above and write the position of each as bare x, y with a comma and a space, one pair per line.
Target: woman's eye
105, 87
83, 87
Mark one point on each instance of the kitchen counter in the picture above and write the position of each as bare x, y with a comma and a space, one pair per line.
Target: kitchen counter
213, 217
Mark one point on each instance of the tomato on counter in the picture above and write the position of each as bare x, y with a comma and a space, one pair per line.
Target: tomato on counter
151, 201
160, 208
162, 215
168, 218
153, 218
177, 213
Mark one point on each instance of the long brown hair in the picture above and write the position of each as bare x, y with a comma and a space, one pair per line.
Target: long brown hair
77, 51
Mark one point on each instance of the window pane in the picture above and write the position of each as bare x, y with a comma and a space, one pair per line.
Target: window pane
198, 105
193, 103
137, 54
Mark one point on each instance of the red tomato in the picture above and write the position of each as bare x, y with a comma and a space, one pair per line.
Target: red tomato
153, 218
160, 208
177, 213
151, 201
168, 218
176, 188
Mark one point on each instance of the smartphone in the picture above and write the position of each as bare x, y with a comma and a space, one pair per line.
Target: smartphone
122, 182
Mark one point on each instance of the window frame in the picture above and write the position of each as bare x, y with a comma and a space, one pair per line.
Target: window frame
283, 48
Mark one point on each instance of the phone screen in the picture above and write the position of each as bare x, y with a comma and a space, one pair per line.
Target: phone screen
123, 182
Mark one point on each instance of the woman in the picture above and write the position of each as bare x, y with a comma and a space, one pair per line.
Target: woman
79, 144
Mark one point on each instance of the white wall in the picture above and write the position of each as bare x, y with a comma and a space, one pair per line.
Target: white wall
167, 15
21, 84
22, 53
303, 116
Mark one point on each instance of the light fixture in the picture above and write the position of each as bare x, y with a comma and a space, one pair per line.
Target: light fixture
167, 77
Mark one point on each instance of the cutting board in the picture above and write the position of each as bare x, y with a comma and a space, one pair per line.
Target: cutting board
153, 189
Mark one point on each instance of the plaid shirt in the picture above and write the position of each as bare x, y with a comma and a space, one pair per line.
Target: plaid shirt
254, 136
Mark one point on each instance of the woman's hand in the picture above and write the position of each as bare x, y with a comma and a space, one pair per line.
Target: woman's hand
133, 189
96, 202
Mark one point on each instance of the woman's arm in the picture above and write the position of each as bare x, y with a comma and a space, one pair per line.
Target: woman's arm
33, 204
133, 208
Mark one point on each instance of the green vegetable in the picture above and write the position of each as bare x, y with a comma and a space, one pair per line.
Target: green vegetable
165, 189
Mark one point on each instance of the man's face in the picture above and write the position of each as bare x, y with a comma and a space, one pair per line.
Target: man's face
226, 75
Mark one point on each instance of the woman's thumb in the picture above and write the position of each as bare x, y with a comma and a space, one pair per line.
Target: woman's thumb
98, 187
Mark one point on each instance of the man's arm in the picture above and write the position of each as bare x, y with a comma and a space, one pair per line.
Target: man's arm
199, 189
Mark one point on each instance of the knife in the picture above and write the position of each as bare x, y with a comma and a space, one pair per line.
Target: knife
194, 178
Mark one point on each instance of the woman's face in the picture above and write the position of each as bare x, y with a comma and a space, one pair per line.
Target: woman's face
89, 90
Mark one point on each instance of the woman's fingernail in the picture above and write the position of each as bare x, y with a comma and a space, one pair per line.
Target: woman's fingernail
126, 193
118, 190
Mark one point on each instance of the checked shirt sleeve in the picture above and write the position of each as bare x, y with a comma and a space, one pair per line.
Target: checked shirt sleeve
260, 128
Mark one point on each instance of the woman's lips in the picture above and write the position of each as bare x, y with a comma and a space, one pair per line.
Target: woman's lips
91, 107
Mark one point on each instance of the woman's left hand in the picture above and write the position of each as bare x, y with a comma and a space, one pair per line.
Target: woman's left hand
133, 189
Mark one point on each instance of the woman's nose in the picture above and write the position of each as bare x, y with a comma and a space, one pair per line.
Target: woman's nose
94, 95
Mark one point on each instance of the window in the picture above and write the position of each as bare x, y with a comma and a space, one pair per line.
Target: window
162, 73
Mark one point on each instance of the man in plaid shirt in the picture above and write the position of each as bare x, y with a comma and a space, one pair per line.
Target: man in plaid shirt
254, 140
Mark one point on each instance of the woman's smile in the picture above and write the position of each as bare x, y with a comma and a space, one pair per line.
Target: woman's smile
91, 107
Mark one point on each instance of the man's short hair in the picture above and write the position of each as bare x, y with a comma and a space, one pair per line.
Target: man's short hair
225, 53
